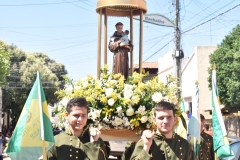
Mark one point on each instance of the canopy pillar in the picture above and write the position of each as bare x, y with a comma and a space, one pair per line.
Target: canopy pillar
141, 41
132, 41
105, 36
99, 43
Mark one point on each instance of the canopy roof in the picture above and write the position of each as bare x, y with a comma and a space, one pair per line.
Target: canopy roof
121, 8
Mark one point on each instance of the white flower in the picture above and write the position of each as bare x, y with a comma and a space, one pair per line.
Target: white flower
128, 93
69, 89
157, 97
97, 113
77, 87
130, 112
144, 119
108, 92
118, 121
148, 125
141, 110
166, 98
111, 102
94, 114
113, 81
150, 119
128, 87
64, 101
85, 84
174, 100
105, 119
119, 109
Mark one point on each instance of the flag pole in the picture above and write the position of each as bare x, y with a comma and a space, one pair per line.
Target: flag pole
41, 116
43, 150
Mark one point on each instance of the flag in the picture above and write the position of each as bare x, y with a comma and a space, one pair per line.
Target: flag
220, 140
182, 126
33, 127
182, 105
195, 122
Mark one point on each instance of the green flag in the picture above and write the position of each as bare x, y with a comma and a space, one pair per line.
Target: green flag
33, 128
220, 140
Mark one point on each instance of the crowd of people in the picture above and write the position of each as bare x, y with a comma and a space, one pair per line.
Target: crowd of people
80, 142
5, 136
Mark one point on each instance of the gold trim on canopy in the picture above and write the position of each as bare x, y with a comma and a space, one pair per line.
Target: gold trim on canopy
121, 8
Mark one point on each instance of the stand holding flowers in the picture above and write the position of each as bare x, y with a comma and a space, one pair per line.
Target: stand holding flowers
120, 108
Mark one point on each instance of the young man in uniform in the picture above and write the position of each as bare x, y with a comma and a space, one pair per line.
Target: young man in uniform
206, 150
77, 142
164, 144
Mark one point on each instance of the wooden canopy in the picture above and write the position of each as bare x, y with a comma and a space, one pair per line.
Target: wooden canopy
120, 8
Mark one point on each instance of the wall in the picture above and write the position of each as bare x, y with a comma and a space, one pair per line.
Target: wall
189, 76
203, 64
232, 125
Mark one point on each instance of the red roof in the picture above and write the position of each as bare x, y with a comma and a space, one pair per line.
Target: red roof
147, 65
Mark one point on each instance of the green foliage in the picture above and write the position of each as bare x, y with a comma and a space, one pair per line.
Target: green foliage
4, 64
23, 71
227, 60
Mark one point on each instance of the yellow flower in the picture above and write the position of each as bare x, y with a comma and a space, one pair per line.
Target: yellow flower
89, 78
90, 99
103, 100
126, 101
117, 76
105, 66
107, 111
135, 99
135, 122
114, 96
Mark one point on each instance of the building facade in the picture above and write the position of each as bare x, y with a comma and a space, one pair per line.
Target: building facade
194, 68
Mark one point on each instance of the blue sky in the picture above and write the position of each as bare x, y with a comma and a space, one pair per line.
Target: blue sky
66, 30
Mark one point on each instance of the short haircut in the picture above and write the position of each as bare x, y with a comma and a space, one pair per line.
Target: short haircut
127, 31
77, 102
202, 117
161, 106
119, 24
206, 126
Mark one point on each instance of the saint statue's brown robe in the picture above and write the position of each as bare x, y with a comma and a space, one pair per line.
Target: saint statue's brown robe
120, 57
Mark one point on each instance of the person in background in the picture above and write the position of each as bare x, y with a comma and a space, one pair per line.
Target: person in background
163, 144
206, 129
206, 151
1, 145
189, 114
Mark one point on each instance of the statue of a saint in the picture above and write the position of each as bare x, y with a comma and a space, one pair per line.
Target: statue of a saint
120, 45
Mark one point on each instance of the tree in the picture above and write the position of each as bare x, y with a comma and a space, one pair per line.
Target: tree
23, 71
4, 64
227, 60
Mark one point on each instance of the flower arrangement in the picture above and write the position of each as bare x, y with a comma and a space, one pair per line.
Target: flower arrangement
117, 103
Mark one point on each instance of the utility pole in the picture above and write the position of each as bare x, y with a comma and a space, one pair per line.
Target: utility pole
178, 53
1, 109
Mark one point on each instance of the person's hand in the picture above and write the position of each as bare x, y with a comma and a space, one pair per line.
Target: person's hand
94, 134
147, 138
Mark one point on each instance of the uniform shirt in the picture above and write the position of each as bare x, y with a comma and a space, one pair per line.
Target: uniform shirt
69, 147
176, 148
206, 151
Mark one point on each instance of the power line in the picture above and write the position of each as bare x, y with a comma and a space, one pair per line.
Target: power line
211, 19
158, 50
192, 29
34, 4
